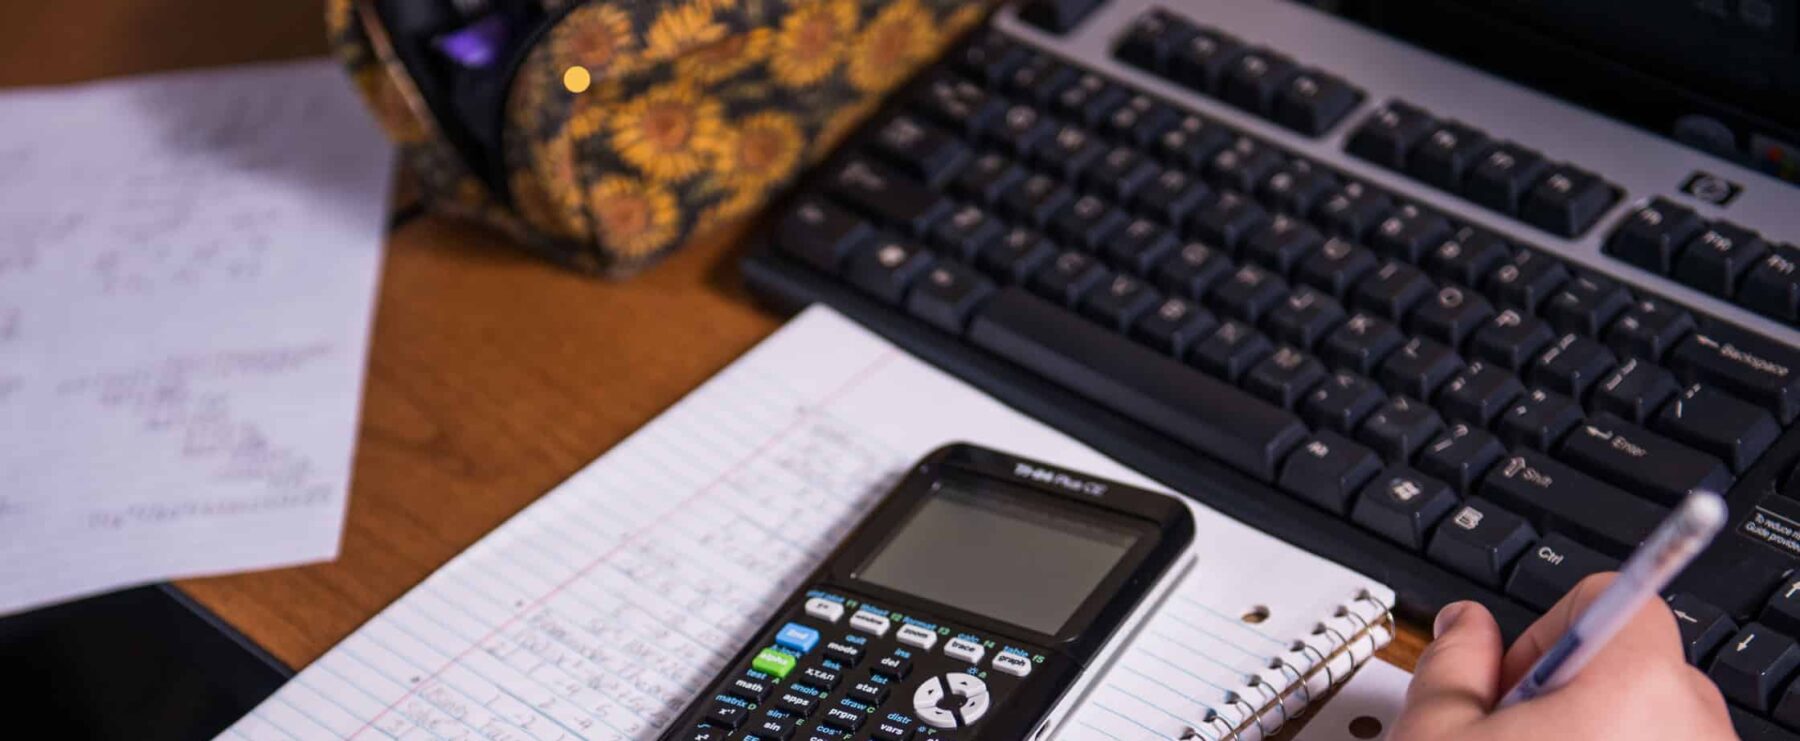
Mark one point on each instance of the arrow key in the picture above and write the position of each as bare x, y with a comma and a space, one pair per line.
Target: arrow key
1782, 612
1753, 664
1703, 627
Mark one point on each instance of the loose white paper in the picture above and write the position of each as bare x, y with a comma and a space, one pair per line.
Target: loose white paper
188, 264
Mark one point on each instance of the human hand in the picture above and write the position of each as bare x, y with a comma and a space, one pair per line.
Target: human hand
1638, 687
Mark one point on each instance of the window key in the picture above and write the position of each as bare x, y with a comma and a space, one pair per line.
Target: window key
1461, 456
1402, 505
1341, 402
1711, 420
1481, 540
1538, 419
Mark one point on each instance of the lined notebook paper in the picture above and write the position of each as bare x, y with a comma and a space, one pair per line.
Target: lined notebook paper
600, 610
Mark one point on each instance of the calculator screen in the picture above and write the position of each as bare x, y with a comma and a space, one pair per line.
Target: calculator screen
994, 554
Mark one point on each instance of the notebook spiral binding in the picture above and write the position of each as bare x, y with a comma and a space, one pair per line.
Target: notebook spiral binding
1312, 665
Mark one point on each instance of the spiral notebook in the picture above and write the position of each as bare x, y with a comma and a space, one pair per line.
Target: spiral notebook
601, 609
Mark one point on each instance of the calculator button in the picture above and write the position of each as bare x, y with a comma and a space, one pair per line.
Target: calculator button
823, 679
966, 685
797, 637
891, 731
797, 703
895, 667
925, 701
962, 648
726, 715
748, 689
844, 652
869, 622
974, 707
706, 733
1012, 663
774, 663
869, 692
844, 718
913, 635
775, 729
824, 609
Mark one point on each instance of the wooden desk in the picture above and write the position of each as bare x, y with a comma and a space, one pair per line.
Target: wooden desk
492, 376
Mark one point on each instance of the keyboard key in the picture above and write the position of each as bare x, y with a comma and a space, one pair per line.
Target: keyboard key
1772, 288
1560, 499
1243, 165
1642, 461
1172, 196
1198, 411
988, 177
1703, 627
1649, 329
1231, 350
1336, 266
1327, 470
921, 150
888, 197
1068, 277
1392, 290
1228, 220
1782, 611
1399, 428
1086, 223
1451, 315
1713, 421
1652, 235
1284, 377
1120, 173
1022, 129
1201, 61
1467, 256
1192, 142
1444, 157
967, 232
1249, 293
1526, 281
1149, 40
1389, 134
1119, 302
1511, 340
1304, 318
1312, 102
1281, 246
1036, 199
1408, 233
1341, 402
1140, 246
1296, 188
958, 104
1571, 365
1461, 456
888, 269
1193, 270
1719, 257
1552, 567
1353, 210
1174, 326
1586, 305
1056, 16
1634, 391
1567, 201
1140, 120
1069, 153
1016, 255
1418, 368
1503, 177
1480, 394
1748, 366
1538, 420
1252, 80
821, 234
1753, 664
1041, 78
1481, 540
1361, 343
1402, 505
947, 294
1089, 99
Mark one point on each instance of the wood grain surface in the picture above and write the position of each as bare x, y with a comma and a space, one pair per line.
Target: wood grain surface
491, 378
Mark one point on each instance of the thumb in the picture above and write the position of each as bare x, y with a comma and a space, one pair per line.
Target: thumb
1457, 679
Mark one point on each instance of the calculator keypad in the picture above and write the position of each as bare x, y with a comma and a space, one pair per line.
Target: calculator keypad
838, 669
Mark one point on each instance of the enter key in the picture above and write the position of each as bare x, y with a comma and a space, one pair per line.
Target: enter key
1642, 461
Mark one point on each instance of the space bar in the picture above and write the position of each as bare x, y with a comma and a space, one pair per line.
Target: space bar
1153, 389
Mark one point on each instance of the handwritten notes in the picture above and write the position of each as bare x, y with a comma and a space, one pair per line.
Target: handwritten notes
188, 265
600, 611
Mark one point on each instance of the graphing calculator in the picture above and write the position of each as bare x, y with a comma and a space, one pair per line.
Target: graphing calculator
978, 600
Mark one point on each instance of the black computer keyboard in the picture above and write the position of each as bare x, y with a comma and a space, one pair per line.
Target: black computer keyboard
1458, 412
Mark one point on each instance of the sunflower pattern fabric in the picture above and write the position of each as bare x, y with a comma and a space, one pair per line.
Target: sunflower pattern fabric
691, 115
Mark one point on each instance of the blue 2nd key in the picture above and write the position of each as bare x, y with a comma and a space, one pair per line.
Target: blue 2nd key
797, 637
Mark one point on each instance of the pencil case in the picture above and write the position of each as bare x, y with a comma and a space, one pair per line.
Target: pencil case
604, 134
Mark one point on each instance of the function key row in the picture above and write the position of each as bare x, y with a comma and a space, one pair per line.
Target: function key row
1257, 79
1718, 257
1504, 176
801, 639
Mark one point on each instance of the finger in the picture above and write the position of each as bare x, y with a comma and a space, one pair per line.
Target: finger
1457, 678
1544, 633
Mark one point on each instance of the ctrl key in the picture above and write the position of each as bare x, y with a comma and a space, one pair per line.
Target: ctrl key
1753, 664
1552, 568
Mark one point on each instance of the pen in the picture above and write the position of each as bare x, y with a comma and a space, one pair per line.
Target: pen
1664, 554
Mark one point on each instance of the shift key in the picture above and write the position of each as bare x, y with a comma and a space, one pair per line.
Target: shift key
1558, 498
1642, 461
